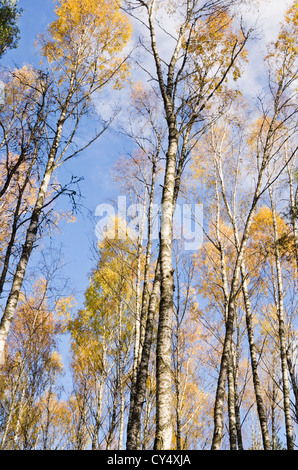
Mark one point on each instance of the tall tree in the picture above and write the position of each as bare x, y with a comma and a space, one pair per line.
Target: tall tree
102, 338
282, 329
32, 366
143, 174
186, 81
83, 49
9, 30
271, 137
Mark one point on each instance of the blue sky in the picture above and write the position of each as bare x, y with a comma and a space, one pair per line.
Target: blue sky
94, 165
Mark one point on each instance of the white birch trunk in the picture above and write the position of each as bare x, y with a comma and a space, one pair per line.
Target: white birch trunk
163, 440
282, 334
13, 297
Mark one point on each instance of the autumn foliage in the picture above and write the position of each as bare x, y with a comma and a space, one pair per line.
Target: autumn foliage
163, 347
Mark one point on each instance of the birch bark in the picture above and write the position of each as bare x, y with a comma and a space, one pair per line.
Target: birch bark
234, 289
146, 332
282, 332
172, 78
15, 290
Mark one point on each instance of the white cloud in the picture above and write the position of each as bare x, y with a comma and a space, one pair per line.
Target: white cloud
267, 18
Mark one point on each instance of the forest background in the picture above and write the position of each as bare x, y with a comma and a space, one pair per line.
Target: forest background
84, 399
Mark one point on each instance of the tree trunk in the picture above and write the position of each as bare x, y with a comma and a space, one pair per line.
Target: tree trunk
98, 415
282, 334
238, 420
13, 297
14, 227
231, 403
178, 387
19, 418
273, 407
134, 425
163, 437
220, 392
112, 426
254, 362
121, 427
132, 442
294, 382
231, 304
293, 214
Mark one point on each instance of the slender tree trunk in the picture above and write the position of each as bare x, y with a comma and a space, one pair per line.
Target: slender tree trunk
145, 292
98, 415
46, 443
254, 362
293, 214
146, 423
231, 304
178, 425
273, 407
134, 427
220, 394
13, 297
163, 438
120, 378
237, 401
282, 333
221, 383
6, 427
17, 424
14, 227
134, 424
11, 243
80, 438
163, 435
137, 343
112, 426
178, 390
231, 402
253, 352
294, 382
238, 420
122, 408
132, 441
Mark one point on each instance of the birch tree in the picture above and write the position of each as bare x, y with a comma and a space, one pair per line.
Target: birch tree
32, 366
102, 339
270, 140
83, 50
187, 80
